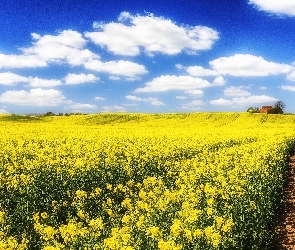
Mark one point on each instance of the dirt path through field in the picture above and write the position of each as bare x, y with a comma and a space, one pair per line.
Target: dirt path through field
286, 222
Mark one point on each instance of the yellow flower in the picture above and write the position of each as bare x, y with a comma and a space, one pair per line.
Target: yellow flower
48, 232
96, 223
219, 222
168, 245
54, 203
2, 217
2, 234
109, 202
198, 233
253, 204
176, 227
80, 194
216, 239
210, 201
127, 248
153, 232
227, 226
126, 219
44, 215
140, 222
110, 212
36, 217
209, 211
51, 248
96, 192
188, 234
126, 203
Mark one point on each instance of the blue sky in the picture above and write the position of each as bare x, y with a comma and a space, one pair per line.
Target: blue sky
146, 56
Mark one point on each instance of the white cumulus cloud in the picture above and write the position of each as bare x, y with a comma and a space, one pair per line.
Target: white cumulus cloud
121, 67
153, 101
237, 91
79, 107
253, 99
172, 82
34, 97
288, 87
291, 76
179, 66
80, 78
200, 71
115, 78
244, 100
67, 46
195, 92
99, 98
21, 61
114, 108
37, 82
3, 111
248, 65
153, 34
221, 102
219, 81
133, 98
278, 7
8, 78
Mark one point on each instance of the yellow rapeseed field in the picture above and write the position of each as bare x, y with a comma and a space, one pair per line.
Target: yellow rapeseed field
138, 181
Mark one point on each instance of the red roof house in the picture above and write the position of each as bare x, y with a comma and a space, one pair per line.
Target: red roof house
265, 109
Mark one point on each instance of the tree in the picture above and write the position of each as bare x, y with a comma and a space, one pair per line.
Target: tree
277, 108
250, 110
49, 114
280, 106
253, 110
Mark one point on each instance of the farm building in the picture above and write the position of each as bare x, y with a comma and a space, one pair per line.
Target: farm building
265, 109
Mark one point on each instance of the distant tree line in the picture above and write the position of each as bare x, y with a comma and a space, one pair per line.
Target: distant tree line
253, 110
61, 114
277, 108
50, 113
